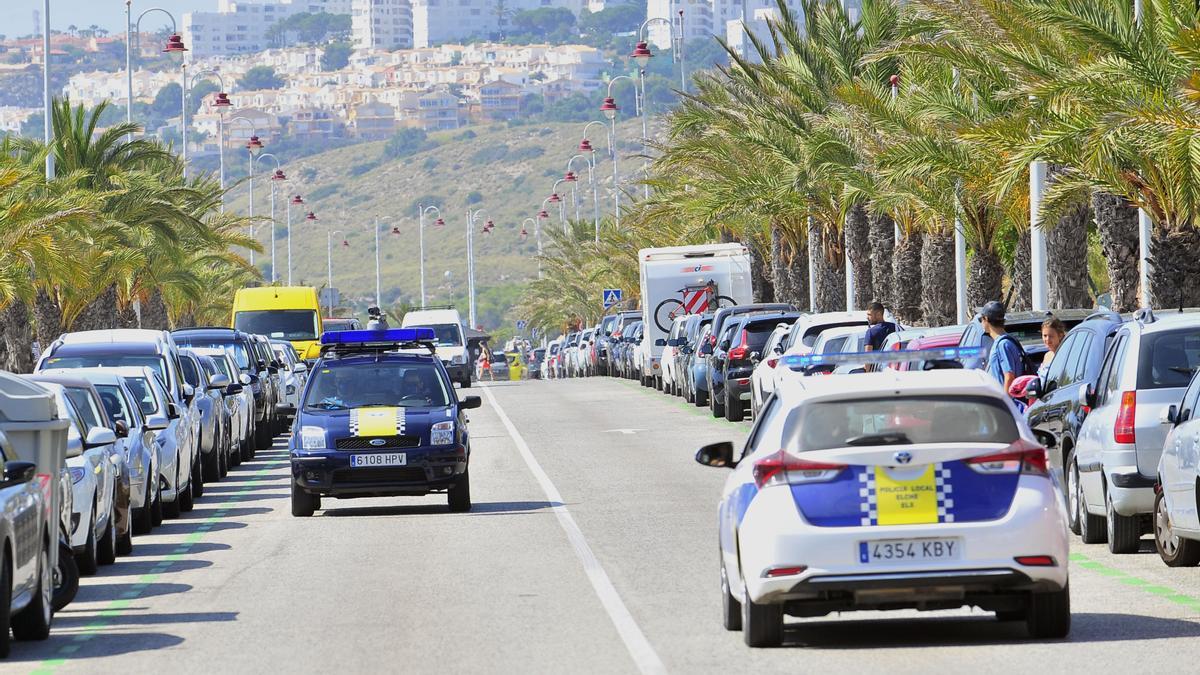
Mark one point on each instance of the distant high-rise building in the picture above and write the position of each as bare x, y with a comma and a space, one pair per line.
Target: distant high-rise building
709, 18
382, 24
242, 27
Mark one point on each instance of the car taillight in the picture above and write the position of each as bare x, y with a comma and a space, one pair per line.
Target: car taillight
1124, 429
771, 363
1020, 457
741, 351
712, 339
780, 468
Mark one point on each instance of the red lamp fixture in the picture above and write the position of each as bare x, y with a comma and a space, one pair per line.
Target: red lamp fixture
524, 233
279, 175
254, 145
175, 47
345, 243
439, 223
395, 229
642, 54
894, 80
586, 146
543, 214
299, 200
570, 177
609, 107
310, 216
554, 198
222, 100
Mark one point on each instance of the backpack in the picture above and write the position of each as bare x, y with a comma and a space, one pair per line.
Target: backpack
1026, 365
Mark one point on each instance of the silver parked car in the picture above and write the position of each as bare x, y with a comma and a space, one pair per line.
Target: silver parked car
1146, 369
1176, 511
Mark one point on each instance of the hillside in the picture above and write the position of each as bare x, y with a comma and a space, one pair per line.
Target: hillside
511, 169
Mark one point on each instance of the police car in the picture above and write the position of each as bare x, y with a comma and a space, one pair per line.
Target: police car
889, 490
380, 418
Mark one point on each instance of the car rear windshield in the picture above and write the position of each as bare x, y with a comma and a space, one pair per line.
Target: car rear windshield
401, 384
1169, 359
235, 349
286, 324
811, 335
108, 361
757, 334
903, 421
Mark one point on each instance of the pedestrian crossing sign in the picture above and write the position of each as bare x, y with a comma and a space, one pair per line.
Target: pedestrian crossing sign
521, 323
611, 297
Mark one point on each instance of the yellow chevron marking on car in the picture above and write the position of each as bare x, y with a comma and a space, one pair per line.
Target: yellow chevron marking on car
906, 502
376, 421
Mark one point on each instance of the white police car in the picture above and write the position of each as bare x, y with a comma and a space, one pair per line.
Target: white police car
889, 490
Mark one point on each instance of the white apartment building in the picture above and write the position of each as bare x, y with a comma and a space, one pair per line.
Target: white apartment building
382, 24
709, 18
241, 27
439, 21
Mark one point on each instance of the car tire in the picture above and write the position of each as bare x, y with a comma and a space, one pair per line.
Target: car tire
716, 405
125, 542
465, 382
700, 398
459, 496
1073, 501
6, 581
731, 609
106, 552
195, 489
143, 518
303, 503
33, 622
1048, 615
211, 466
1091, 527
262, 436
1174, 550
762, 625
223, 460
66, 578
734, 411
171, 510
157, 511
87, 558
1124, 532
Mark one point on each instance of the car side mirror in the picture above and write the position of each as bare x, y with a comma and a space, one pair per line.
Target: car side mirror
1089, 396
17, 472
1034, 388
470, 402
218, 382
97, 436
157, 422
121, 429
718, 455
300, 368
172, 411
272, 370
1169, 415
188, 392
1045, 438
246, 379
233, 389
660, 343
260, 364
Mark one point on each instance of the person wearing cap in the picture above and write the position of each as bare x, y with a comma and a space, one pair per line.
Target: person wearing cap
1004, 361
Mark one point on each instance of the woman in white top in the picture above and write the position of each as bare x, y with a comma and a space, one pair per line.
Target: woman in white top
1053, 332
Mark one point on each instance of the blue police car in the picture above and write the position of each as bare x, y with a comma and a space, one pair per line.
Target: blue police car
380, 418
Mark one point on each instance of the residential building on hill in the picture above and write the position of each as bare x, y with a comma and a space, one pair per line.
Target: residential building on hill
241, 27
382, 24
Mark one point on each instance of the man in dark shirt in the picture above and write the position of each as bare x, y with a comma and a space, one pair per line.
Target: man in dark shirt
879, 329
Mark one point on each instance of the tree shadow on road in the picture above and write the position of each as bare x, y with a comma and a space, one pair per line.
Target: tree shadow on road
96, 645
64, 624
477, 509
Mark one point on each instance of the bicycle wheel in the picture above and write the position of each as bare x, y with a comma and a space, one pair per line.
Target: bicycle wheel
725, 301
666, 312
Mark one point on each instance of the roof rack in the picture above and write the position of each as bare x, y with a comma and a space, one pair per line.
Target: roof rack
1104, 313
424, 307
1144, 315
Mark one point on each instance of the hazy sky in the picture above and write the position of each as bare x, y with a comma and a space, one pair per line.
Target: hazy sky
16, 16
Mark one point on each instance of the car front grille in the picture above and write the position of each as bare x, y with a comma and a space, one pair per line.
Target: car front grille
364, 442
384, 474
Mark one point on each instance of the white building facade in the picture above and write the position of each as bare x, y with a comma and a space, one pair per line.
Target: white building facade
382, 24
242, 27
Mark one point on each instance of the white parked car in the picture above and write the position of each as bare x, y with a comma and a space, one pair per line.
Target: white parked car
1176, 518
451, 339
762, 381
293, 376
892, 490
238, 399
670, 382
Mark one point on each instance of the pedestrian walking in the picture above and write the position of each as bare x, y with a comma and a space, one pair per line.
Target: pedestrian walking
1006, 360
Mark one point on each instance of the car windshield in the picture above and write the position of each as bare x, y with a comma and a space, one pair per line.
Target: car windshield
812, 334
335, 325
114, 404
108, 361
405, 384
235, 349
141, 390
445, 334
1169, 359
903, 421
287, 324
82, 399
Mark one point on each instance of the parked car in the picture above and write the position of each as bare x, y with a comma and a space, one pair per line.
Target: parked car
537, 360
554, 355
947, 336
499, 365
1026, 327
687, 357
240, 402
211, 448
839, 340
762, 380
333, 325
632, 360
1146, 369
715, 367
747, 342
611, 339
698, 365
293, 374
670, 348
1176, 518
252, 374
274, 384
569, 349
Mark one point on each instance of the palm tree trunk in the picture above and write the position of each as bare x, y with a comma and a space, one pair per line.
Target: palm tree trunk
858, 250
1116, 221
1021, 292
47, 318
760, 271
1067, 261
154, 312
798, 275
829, 271
16, 338
100, 314
1174, 267
938, 303
883, 245
984, 277
906, 277
781, 276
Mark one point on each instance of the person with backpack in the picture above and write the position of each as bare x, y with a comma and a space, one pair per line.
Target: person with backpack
1006, 361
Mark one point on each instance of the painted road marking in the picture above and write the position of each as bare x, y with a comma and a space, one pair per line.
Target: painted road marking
116, 607
639, 647
1128, 579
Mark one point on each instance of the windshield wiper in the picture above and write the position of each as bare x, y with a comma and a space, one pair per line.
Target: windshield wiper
888, 438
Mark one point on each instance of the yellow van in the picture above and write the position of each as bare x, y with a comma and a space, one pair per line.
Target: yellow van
282, 313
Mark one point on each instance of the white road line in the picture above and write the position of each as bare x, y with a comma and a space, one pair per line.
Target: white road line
639, 647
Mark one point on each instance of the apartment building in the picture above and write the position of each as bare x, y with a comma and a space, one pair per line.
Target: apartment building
704, 19
382, 24
241, 27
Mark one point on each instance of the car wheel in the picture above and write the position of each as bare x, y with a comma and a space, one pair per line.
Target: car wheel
716, 405
33, 622
762, 625
1073, 501
66, 578
262, 436
1048, 615
86, 559
731, 609
157, 511
106, 553
465, 382
223, 460
700, 398
1124, 534
1174, 550
734, 411
211, 466
303, 503
459, 496
5, 605
172, 509
1091, 527
125, 541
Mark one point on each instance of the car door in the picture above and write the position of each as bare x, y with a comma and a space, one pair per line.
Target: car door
1097, 428
1052, 411
1181, 459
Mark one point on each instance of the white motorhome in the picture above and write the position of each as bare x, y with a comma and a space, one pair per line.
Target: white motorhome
451, 342
680, 280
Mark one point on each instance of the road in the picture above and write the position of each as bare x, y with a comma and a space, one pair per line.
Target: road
591, 549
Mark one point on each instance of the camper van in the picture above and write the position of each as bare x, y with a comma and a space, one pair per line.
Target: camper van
681, 280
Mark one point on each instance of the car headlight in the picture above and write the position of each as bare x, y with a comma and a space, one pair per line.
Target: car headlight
312, 438
442, 433
77, 474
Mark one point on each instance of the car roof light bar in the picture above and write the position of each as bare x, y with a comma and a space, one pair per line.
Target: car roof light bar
963, 354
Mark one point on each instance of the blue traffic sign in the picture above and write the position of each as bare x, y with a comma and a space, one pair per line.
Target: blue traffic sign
612, 296
521, 323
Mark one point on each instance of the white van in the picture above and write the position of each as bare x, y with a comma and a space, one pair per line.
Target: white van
451, 339
682, 280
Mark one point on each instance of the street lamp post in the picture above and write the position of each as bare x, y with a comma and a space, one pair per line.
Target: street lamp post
642, 55
609, 108
298, 201
329, 262
421, 211
277, 176
174, 48
586, 146
253, 147
378, 274
574, 179
221, 103
48, 122
471, 218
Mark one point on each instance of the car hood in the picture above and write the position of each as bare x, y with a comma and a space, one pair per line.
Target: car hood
377, 422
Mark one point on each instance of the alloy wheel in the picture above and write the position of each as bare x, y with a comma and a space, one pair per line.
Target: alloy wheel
1168, 541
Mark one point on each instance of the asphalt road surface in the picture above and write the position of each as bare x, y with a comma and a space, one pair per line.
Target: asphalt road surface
591, 549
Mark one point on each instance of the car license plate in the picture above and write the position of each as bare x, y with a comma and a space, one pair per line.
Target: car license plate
379, 459
909, 550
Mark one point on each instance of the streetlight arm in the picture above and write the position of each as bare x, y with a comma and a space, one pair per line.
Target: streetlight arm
572, 160
433, 208
620, 77
275, 159
137, 25
247, 120
670, 29
207, 73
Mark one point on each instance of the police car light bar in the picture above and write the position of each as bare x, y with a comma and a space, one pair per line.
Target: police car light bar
964, 354
386, 336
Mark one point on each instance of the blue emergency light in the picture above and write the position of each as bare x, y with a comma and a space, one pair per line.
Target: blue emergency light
963, 354
386, 336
